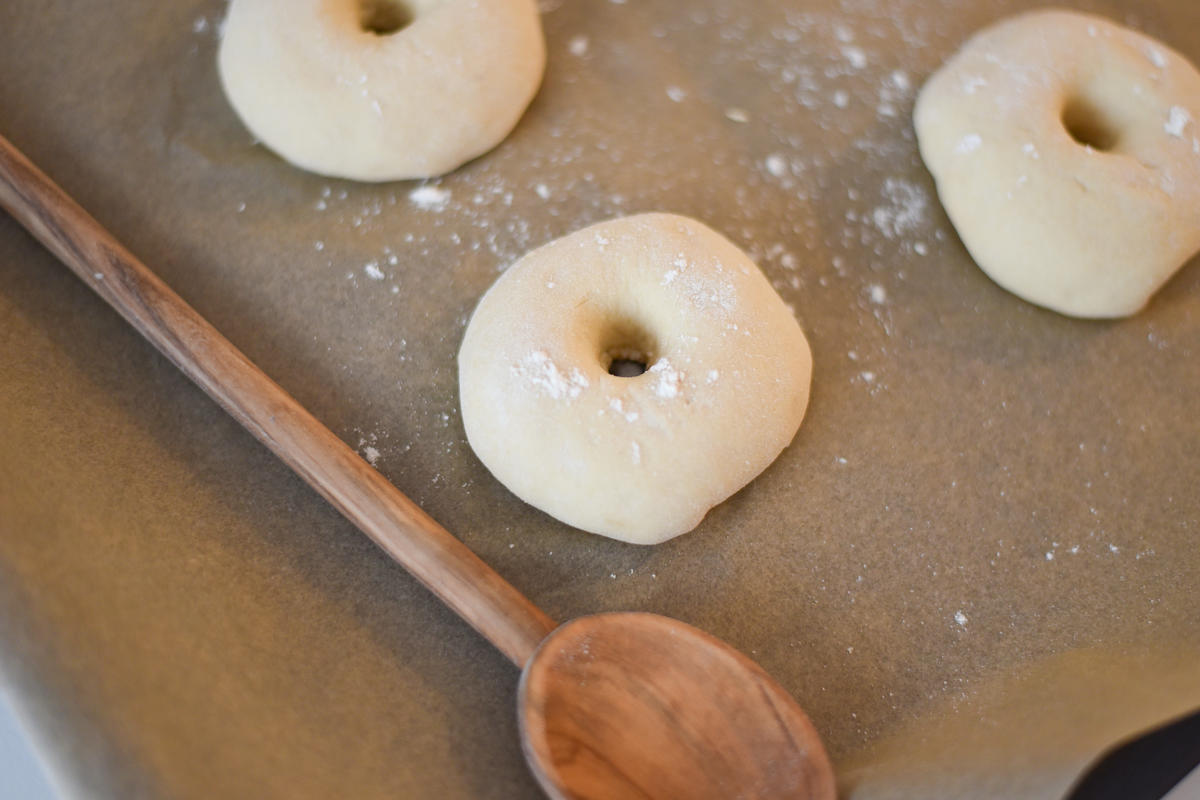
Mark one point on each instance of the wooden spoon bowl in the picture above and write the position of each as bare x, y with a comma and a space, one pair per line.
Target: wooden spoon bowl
638, 707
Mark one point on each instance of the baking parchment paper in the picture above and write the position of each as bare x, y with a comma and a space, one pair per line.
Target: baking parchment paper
975, 566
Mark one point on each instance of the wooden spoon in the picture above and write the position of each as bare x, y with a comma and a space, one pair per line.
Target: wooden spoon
618, 706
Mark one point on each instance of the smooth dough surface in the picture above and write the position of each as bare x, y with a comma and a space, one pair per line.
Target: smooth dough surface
1067, 154
641, 459
317, 86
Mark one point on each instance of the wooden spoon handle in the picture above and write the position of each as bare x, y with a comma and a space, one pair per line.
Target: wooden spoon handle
445, 565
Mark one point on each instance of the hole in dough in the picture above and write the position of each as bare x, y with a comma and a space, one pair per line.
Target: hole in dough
626, 367
627, 349
384, 17
1089, 125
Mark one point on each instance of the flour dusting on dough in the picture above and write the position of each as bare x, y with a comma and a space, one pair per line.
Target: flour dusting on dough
670, 380
1177, 120
969, 144
616, 405
973, 83
539, 370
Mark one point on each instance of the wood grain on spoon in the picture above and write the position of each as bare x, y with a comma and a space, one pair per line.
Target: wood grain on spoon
409, 535
642, 707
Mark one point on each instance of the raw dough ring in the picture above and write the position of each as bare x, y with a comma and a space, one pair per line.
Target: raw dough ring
641, 459
1066, 154
317, 85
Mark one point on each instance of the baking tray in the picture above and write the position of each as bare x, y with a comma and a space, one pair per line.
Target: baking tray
975, 566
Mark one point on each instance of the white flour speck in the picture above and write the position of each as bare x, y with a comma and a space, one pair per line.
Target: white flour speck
904, 209
737, 115
868, 377
543, 191
539, 370
429, 198
776, 165
841, 98
878, 294
373, 271
713, 375
1177, 119
969, 144
578, 46
856, 57
960, 618
670, 380
1156, 57
676, 94
371, 454
616, 405
973, 83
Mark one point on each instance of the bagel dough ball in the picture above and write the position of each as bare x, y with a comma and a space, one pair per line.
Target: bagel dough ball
378, 90
1067, 154
643, 458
